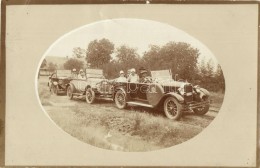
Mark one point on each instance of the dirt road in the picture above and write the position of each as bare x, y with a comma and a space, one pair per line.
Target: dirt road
133, 129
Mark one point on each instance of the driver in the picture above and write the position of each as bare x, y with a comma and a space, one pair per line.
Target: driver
144, 77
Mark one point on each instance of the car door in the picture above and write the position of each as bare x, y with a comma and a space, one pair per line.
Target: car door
142, 91
80, 84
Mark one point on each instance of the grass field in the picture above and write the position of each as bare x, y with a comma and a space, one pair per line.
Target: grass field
134, 129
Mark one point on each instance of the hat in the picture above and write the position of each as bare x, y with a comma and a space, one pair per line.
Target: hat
132, 70
142, 70
74, 69
81, 70
121, 72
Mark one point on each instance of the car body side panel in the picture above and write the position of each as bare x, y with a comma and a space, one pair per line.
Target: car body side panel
79, 84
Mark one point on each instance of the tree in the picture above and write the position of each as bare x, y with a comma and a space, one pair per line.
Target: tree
73, 63
79, 52
220, 79
180, 57
44, 63
127, 57
152, 56
52, 67
99, 52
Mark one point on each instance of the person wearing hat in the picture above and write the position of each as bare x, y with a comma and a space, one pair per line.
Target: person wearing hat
121, 77
74, 73
81, 74
133, 77
143, 76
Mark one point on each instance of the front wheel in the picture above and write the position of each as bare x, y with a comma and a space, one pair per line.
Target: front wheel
70, 92
53, 89
90, 96
120, 99
201, 110
172, 108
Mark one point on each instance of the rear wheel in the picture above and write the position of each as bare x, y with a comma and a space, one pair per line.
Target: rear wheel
90, 96
120, 99
172, 108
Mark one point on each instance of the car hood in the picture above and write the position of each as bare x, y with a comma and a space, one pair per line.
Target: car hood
63, 77
95, 80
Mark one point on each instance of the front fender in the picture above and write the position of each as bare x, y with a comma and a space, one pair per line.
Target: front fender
205, 91
117, 89
177, 96
55, 83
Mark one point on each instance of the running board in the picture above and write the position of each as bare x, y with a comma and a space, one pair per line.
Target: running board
139, 104
77, 94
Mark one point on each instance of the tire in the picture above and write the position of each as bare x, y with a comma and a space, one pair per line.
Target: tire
56, 90
172, 108
70, 90
201, 110
52, 89
120, 99
90, 96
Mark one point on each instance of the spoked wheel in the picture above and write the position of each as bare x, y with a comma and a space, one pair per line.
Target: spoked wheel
90, 96
172, 108
69, 92
120, 99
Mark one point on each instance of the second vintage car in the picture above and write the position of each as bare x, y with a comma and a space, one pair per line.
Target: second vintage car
93, 86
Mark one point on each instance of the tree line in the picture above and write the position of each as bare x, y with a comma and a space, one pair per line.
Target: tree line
180, 57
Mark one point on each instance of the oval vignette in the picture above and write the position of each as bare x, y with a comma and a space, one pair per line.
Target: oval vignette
163, 56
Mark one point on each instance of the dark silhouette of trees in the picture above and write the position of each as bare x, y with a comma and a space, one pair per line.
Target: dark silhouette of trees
52, 67
73, 63
182, 58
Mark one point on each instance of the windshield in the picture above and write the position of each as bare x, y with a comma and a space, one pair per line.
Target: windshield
161, 75
94, 73
63, 73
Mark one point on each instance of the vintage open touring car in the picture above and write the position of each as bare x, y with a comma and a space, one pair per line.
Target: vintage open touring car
172, 97
59, 80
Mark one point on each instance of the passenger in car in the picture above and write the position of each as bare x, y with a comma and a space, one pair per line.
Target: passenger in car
121, 77
74, 73
133, 77
81, 74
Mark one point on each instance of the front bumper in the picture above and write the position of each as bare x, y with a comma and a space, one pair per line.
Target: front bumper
193, 105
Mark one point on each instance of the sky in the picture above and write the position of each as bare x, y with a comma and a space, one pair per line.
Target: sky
136, 33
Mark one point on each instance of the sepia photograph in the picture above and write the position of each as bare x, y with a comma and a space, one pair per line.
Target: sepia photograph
130, 85
96, 84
